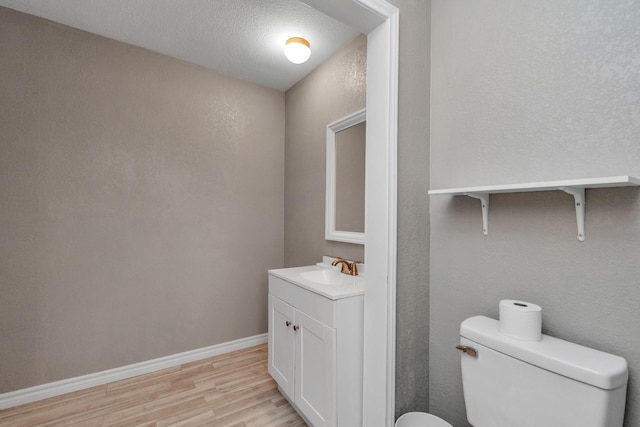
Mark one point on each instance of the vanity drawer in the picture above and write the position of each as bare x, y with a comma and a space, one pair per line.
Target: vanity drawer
314, 305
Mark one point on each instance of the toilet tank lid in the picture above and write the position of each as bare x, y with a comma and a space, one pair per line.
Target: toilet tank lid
571, 360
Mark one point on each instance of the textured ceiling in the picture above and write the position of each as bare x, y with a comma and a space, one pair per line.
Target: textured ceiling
243, 38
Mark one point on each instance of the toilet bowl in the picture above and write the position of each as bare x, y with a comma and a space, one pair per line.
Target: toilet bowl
421, 419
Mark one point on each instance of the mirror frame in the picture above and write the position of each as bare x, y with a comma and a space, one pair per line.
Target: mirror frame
330, 199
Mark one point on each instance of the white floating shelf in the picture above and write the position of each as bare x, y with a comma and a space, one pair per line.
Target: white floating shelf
574, 187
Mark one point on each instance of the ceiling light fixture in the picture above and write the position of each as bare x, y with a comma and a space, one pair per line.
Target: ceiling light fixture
297, 50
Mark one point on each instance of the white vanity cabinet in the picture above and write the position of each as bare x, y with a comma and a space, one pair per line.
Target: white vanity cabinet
315, 350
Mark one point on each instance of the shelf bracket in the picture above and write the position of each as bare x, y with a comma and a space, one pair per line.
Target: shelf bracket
484, 203
578, 196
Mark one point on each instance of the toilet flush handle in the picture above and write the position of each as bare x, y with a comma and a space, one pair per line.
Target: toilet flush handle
468, 350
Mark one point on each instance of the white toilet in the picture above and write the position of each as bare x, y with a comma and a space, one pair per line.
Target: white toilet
512, 383
421, 419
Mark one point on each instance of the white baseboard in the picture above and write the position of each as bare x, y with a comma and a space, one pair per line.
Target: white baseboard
44, 391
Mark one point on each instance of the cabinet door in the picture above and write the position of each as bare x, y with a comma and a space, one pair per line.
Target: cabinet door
315, 389
281, 344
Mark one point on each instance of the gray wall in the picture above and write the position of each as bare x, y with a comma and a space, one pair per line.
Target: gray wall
412, 293
142, 203
334, 90
534, 91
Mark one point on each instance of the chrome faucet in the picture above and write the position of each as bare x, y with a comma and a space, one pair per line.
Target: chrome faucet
349, 268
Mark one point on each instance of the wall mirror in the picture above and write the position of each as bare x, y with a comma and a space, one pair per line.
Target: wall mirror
345, 195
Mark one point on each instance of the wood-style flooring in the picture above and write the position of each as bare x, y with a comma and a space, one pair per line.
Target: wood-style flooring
233, 389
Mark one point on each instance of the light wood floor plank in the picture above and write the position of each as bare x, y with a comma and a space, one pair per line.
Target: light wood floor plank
232, 389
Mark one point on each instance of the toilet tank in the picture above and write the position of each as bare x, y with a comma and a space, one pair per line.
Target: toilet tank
551, 383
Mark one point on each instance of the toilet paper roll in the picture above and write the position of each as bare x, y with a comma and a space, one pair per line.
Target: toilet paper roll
520, 320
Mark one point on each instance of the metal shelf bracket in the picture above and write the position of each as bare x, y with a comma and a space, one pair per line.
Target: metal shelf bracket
578, 196
484, 203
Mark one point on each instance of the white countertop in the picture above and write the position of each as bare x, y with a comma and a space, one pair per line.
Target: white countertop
329, 282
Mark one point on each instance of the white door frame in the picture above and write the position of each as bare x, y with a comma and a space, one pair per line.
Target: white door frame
379, 20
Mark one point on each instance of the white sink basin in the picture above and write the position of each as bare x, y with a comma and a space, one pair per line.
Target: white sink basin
327, 277
323, 279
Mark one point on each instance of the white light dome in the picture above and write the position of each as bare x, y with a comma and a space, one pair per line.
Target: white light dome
297, 50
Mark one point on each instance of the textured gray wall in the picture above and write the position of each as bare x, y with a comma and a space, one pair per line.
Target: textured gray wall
534, 91
334, 90
142, 203
412, 304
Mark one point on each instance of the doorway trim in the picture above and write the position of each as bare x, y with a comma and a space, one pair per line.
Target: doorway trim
379, 20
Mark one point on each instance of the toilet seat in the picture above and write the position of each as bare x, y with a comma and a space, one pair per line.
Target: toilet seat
421, 419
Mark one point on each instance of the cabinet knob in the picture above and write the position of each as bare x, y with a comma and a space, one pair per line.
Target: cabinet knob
288, 323
296, 327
